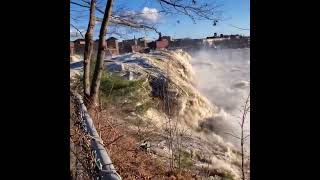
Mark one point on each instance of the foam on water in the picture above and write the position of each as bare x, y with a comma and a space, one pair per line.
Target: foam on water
226, 83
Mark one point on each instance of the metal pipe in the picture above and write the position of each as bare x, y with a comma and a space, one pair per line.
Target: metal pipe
108, 171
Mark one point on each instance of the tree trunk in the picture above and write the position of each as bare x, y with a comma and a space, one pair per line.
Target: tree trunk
95, 86
88, 51
242, 157
242, 139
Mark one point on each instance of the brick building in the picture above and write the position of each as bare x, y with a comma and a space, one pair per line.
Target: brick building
142, 42
71, 48
161, 43
111, 43
126, 45
135, 48
113, 46
182, 43
79, 46
168, 38
133, 45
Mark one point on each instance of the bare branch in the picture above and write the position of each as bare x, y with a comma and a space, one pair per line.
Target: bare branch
194, 10
246, 137
77, 29
233, 135
125, 22
116, 139
78, 4
120, 20
239, 28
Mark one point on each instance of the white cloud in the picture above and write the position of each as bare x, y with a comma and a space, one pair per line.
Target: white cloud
150, 14
75, 33
146, 15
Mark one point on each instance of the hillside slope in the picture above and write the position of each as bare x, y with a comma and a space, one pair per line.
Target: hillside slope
173, 112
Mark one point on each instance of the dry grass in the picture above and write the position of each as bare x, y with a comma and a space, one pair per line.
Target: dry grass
129, 159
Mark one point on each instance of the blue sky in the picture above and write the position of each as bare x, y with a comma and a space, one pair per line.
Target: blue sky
235, 12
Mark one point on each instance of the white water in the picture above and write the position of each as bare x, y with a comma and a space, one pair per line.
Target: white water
223, 76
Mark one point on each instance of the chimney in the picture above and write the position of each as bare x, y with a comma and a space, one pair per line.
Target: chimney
160, 37
134, 39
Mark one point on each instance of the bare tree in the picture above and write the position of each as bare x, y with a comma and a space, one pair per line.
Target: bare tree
88, 50
243, 137
78, 30
95, 86
245, 111
191, 8
117, 17
194, 9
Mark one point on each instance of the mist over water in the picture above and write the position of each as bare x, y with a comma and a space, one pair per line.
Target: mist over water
223, 76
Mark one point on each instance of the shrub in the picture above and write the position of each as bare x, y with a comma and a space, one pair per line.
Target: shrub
131, 95
185, 159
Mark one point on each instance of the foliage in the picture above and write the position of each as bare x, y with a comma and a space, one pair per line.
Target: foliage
130, 95
185, 159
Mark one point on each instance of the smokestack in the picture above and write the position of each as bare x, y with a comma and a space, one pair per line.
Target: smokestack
160, 37
134, 39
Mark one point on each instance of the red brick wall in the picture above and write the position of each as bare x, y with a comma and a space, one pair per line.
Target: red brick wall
135, 48
71, 50
114, 52
162, 44
113, 46
78, 47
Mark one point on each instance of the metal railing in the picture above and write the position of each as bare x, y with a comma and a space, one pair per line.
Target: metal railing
101, 164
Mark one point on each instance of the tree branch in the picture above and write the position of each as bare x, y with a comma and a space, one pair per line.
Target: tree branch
120, 20
77, 29
239, 28
125, 22
246, 137
78, 4
233, 135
